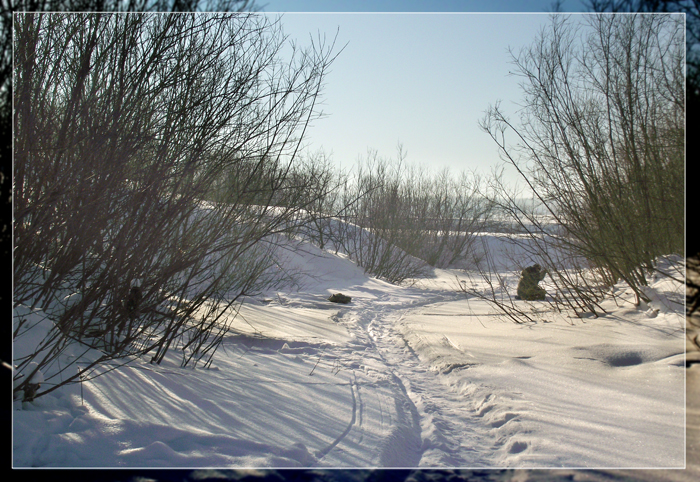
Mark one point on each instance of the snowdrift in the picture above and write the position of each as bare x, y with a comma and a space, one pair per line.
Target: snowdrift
403, 376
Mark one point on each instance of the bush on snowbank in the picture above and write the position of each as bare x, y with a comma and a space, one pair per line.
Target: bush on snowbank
113, 154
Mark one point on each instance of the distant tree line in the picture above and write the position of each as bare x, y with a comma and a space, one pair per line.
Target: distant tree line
395, 219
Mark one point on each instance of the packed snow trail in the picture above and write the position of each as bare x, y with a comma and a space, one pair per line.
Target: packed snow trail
399, 405
435, 426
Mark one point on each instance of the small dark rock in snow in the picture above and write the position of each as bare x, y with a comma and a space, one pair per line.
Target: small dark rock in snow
339, 298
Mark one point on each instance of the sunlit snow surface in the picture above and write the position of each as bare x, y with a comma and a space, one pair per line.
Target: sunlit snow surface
413, 376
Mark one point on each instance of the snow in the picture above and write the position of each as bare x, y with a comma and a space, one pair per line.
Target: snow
403, 376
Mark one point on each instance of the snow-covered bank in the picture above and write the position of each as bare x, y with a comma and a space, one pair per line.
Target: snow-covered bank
591, 394
400, 377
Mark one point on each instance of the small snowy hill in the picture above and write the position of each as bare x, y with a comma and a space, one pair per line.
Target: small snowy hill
403, 376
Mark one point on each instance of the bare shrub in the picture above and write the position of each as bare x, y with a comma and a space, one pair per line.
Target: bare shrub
600, 143
394, 219
123, 125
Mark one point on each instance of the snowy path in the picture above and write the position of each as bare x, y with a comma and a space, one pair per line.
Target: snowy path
425, 420
446, 433
425, 429
462, 408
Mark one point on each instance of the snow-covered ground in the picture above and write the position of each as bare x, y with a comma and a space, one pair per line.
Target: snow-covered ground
403, 376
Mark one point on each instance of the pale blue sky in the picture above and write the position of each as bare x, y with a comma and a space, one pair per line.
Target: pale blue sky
420, 79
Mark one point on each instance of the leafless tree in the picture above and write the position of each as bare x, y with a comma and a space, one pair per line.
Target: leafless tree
600, 143
377, 222
123, 125
691, 9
